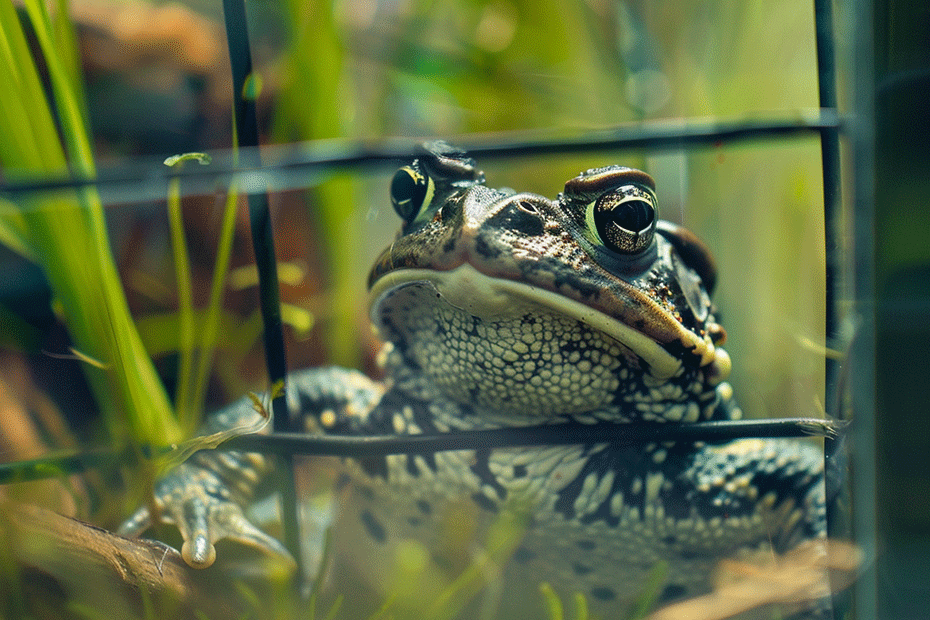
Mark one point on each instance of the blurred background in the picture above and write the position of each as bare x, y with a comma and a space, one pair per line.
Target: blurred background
157, 84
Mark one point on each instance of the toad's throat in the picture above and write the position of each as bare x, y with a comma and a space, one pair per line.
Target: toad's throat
496, 299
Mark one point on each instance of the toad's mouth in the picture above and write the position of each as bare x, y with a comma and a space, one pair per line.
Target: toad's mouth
490, 298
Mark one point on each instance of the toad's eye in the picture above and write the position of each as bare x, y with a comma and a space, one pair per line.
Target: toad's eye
411, 192
624, 218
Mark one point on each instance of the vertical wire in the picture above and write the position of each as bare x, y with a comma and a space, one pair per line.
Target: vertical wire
246, 133
830, 158
830, 161
835, 482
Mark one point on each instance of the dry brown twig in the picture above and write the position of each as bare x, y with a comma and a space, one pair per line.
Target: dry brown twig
795, 581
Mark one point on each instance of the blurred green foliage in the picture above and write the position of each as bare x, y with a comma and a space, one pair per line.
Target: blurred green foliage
429, 68
45, 135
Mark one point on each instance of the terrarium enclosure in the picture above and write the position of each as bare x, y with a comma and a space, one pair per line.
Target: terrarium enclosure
142, 229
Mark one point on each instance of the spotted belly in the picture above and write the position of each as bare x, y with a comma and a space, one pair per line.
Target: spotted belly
615, 524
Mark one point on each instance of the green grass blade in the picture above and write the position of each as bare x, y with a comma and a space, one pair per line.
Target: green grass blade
503, 537
581, 606
651, 591
552, 602
196, 352
210, 331
14, 233
67, 235
29, 140
69, 108
306, 109
65, 36
185, 409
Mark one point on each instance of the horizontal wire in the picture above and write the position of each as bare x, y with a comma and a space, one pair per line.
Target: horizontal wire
615, 433
304, 164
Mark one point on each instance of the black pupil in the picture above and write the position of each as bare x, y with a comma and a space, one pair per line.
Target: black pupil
624, 222
635, 215
407, 193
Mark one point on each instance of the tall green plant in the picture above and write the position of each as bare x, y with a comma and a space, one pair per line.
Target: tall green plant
306, 109
66, 232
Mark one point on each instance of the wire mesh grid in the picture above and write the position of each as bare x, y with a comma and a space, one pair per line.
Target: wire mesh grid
290, 166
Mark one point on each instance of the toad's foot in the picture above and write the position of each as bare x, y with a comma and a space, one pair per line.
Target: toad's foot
200, 503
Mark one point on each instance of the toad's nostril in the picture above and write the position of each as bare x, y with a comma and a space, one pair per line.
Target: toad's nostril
521, 214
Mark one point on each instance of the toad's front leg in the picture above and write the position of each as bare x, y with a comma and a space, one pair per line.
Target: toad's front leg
204, 496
